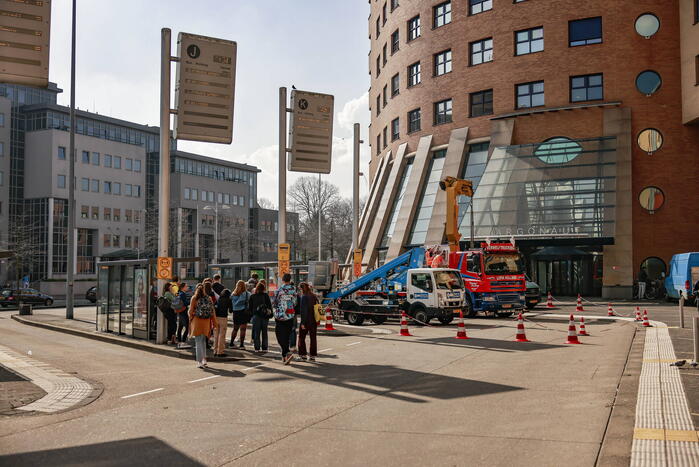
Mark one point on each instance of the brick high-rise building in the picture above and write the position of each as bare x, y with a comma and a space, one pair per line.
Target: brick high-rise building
578, 124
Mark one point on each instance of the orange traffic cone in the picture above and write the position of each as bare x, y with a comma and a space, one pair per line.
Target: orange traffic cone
638, 314
610, 310
404, 325
461, 329
329, 320
646, 323
583, 331
520, 337
579, 307
549, 301
572, 332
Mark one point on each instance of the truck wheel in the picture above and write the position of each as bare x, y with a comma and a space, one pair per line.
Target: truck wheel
469, 312
420, 314
446, 319
378, 319
354, 319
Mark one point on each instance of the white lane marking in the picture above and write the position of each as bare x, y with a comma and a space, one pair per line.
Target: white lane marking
142, 393
253, 367
354, 343
203, 379
325, 350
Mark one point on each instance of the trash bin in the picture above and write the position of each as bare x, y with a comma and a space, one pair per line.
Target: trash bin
25, 309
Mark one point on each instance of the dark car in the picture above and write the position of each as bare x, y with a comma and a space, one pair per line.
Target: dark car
91, 294
533, 294
11, 297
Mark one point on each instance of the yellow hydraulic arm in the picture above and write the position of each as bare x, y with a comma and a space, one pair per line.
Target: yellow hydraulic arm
454, 187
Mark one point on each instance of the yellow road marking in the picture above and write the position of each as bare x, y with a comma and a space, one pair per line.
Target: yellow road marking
659, 360
666, 435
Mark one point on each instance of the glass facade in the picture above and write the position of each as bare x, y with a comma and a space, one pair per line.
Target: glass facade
473, 170
424, 213
397, 203
520, 194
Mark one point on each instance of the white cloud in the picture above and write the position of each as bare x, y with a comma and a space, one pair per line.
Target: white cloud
354, 111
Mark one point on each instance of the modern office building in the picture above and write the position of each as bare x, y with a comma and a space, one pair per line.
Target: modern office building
213, 201
578, 127
265, 224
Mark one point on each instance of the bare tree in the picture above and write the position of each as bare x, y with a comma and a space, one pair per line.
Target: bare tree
24, 241
264, 203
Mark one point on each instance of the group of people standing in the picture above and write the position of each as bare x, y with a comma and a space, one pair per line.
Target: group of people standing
205, 316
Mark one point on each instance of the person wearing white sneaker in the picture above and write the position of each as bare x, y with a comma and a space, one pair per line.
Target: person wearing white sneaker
202, 319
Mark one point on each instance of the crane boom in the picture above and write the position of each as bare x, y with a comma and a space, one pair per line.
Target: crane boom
454, 187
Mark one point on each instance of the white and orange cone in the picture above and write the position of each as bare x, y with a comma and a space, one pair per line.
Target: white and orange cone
404, 325
579, 307
521, 336
646, 323
461, 329
549, 301
610, 310
583, 331
572, 331
329, 320
638, 314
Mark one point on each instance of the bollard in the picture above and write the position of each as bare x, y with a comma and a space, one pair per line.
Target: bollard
681, 310
696, 338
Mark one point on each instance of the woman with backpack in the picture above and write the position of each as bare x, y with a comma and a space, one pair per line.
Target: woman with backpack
284, 316
261, 308
306, 306
202, 318
166, 306
224, 305
241, 313
182, 316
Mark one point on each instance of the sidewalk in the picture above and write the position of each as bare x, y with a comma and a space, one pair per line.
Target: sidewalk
84, 325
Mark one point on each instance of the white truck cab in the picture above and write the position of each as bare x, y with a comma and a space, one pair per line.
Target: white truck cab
434, 293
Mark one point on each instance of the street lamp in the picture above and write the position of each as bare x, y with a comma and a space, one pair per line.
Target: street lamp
215, 208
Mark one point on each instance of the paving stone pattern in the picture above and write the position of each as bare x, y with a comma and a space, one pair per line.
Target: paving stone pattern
63, 391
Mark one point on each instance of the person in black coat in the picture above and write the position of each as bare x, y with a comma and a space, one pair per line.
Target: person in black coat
306, 306
261, 308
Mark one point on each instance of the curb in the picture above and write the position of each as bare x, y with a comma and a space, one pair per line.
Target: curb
124, 342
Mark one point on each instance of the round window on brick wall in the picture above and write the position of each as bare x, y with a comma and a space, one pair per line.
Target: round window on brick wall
647, 25
650, 140
651, 198
648, 82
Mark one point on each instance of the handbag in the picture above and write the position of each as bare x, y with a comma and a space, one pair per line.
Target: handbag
318, 312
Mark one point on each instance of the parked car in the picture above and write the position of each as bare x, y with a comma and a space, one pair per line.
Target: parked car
11, 297
684, 273
533, 294
91, 294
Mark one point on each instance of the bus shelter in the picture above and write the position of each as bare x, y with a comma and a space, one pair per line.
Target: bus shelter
125, 304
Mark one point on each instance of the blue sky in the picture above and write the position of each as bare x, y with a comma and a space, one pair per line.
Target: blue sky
317, 45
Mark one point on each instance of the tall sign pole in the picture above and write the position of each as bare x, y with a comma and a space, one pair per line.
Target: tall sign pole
281, 239
320, 218
355, 201
70, 266
164, 185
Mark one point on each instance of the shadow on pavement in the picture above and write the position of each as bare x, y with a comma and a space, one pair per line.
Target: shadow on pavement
145, 451
388, 381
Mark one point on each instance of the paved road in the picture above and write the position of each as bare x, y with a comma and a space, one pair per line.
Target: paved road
380, 399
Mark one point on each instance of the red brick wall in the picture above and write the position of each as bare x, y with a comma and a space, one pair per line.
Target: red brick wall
622, 55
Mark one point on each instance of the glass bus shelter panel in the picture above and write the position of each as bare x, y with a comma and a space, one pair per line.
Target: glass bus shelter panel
114, 300
102, 297
140, 295
127, 300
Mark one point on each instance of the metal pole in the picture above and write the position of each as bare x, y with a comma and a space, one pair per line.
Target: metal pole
473, 233
320, 211
696, 338
681, 310
281, 234
355, 195
164, 188
216, 231
70, 266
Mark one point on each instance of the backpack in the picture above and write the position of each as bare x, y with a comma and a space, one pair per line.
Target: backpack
286, 302
204, 309
163, 303
263, 311
177, 303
